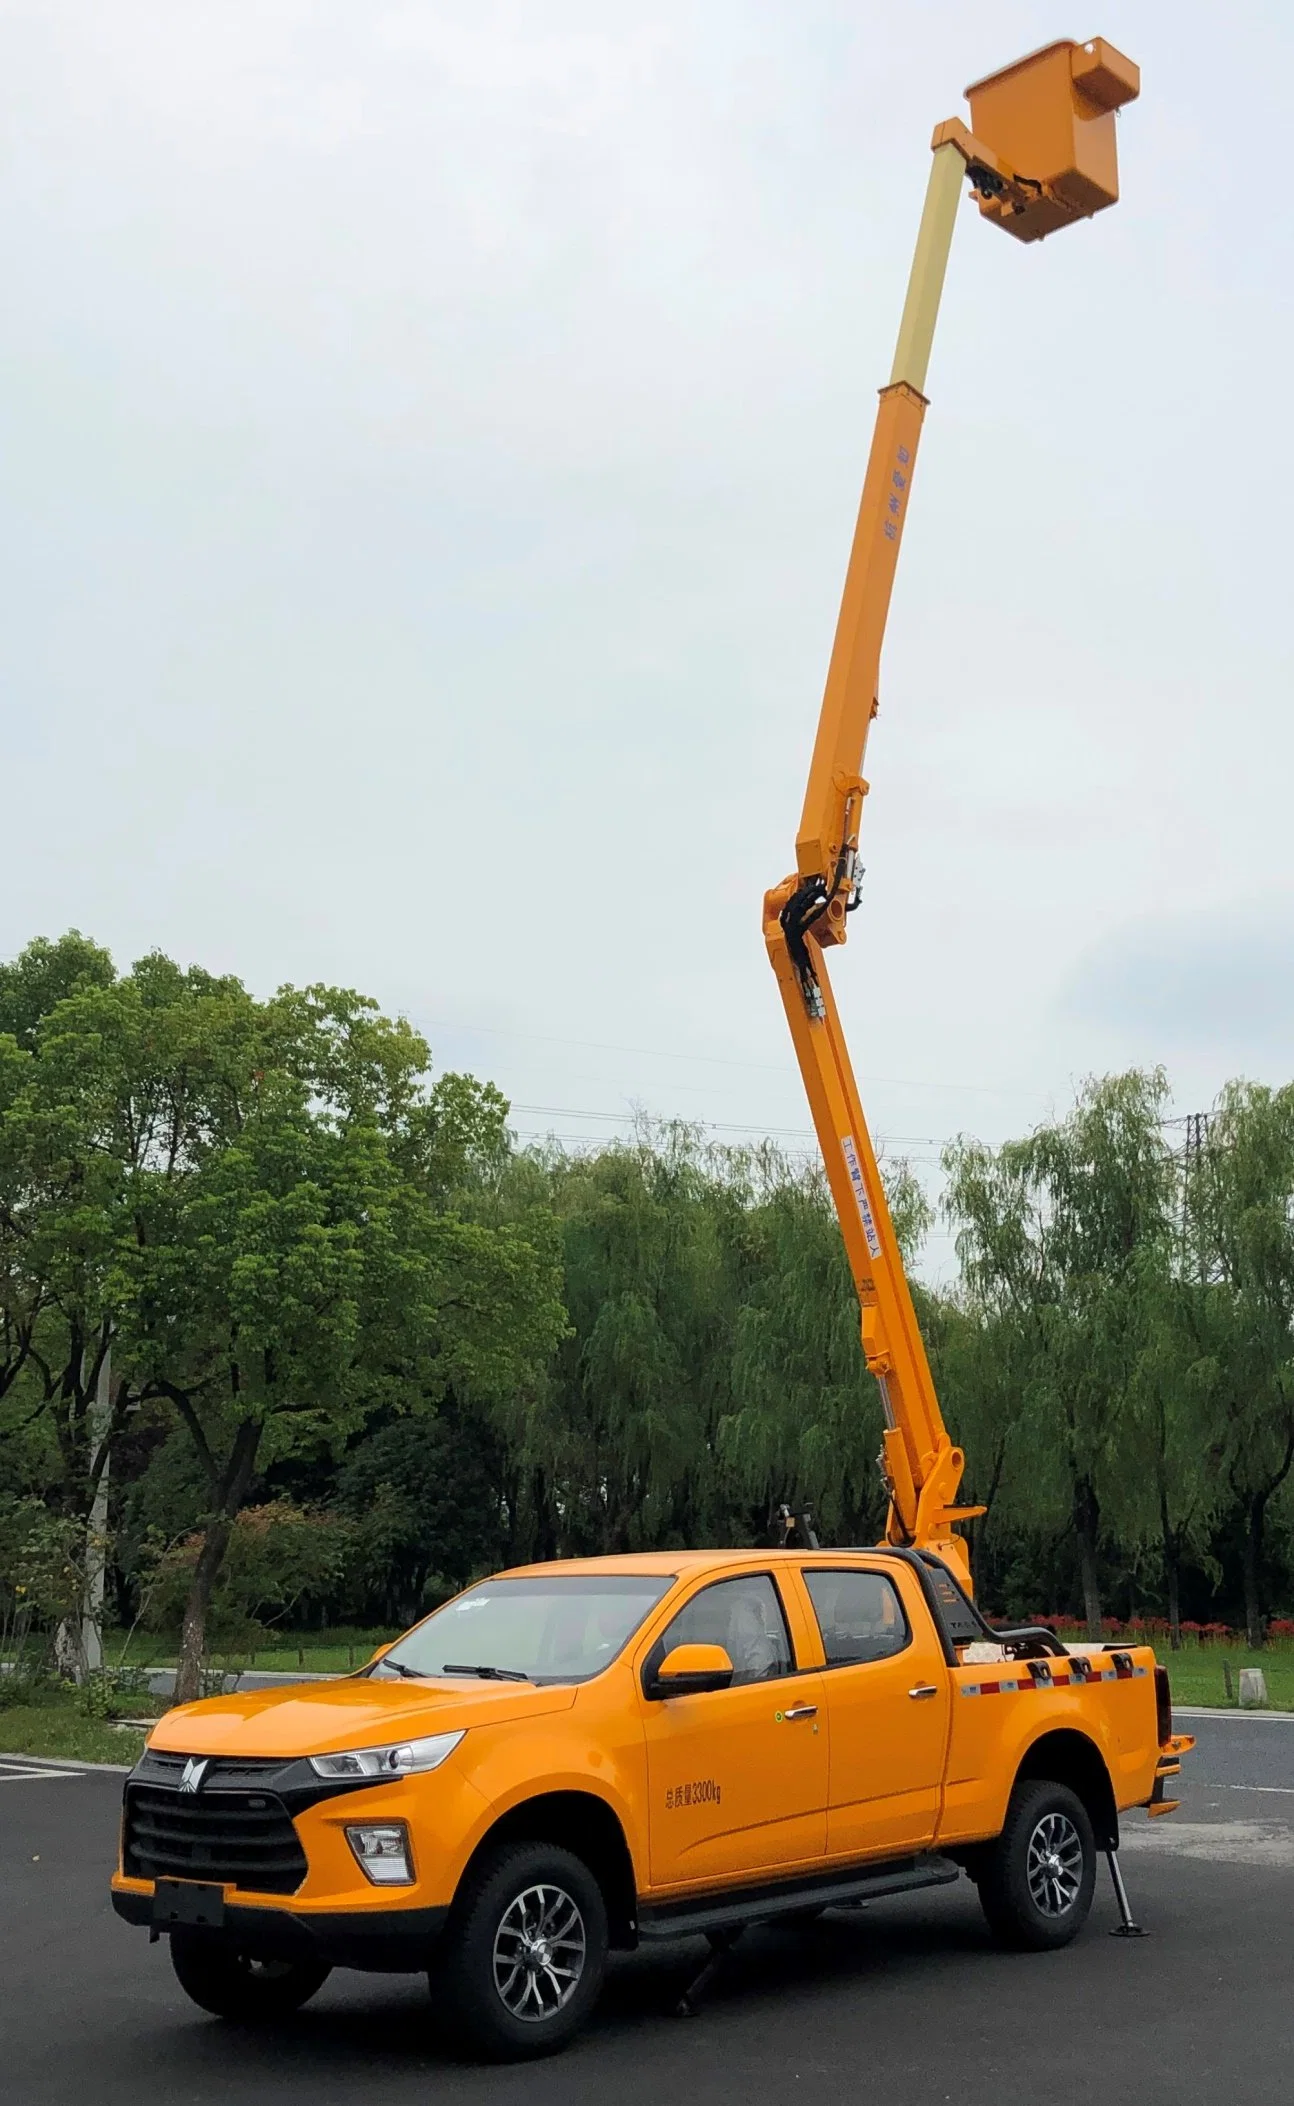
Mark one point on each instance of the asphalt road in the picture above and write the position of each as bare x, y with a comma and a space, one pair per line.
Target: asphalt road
907, 1999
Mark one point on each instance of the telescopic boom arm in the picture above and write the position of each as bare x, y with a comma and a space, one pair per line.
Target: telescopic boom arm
1044, 156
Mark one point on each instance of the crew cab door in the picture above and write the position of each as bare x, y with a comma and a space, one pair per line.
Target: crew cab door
888, 1707
737, 1777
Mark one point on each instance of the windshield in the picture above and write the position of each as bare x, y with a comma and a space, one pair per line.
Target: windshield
562, 1628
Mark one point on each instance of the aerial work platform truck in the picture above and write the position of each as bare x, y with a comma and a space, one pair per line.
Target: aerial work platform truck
602, 1752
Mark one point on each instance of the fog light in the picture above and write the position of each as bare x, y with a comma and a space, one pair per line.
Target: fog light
383, 1853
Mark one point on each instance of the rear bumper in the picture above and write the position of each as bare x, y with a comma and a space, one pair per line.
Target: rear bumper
1168, 1766
387, 1941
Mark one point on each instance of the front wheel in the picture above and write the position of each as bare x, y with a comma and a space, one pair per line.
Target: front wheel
1036, 1885
230, 1984
525, 1953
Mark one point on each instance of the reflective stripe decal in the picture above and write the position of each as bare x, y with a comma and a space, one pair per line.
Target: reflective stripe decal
1053, 1681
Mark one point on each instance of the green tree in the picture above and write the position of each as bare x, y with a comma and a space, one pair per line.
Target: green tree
42, 976
56, 1322
425, 1495
251, 1198
280, 1559
804, 1425
1065, 1233
618, 1453
1241, 1317
1176, 1485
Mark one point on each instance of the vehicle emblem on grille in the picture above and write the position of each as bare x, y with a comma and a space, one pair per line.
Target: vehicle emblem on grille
194, 1771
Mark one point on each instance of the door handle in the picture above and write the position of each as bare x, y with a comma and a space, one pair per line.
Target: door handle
801, 1711
924, 1689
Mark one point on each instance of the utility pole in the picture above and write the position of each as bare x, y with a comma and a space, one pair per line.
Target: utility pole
1197, 1134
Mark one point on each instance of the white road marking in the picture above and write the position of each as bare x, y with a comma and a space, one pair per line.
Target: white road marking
1286, 1791
11, 1774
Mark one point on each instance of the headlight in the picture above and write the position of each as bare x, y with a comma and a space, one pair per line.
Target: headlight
401, 1758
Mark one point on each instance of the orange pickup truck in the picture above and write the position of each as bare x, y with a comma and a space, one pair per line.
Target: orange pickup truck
585, 1755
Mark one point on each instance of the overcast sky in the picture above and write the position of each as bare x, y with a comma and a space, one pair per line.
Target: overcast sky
430, 436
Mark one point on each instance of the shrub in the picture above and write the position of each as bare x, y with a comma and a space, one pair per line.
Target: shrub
113, 1692
281, 1557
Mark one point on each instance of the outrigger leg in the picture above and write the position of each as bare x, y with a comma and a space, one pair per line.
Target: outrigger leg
1126, 1927
721, 1944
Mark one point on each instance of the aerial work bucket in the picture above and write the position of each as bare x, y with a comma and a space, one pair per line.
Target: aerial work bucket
1044, 150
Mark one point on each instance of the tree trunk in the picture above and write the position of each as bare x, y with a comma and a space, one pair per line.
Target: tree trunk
1255, 1632
193, 1642
1172, 1572
1087, 1522
233, 1490
96, 1535
1174, 1600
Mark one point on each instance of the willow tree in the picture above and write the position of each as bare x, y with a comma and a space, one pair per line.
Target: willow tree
1240, 1319
1068, 1232
618, 1452
804, 1425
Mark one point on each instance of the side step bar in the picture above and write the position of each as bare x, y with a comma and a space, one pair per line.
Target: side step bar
735, 1906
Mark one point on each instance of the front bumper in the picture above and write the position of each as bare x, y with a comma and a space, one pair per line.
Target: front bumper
379, 1941
322, 1908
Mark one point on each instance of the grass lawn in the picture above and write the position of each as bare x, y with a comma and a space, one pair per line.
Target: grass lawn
59, 1729
333, 1652
1197, 1678
1198, 1672
336, 1654
54, 1725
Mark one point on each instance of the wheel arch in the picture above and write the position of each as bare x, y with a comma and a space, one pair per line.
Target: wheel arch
1066, 1756
587, 1826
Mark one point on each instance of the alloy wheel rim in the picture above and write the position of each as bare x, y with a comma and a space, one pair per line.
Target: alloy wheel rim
1054, 1865
540, 1948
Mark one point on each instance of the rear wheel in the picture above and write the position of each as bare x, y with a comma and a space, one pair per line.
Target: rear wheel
525, 1953
231, 1984
1036, 1885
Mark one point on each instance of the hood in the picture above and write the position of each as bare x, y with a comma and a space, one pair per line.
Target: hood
318, 1718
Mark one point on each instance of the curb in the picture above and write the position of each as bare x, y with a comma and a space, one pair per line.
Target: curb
69, 1762
1219, 1711
235, 1680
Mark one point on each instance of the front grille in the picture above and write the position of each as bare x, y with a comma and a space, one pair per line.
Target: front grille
238, 1839
160, 1766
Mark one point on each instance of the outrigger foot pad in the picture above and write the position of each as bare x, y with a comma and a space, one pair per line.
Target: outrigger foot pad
721, 1944
1126, 1927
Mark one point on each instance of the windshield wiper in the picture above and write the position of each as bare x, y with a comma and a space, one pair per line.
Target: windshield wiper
487, 1674
411, 1674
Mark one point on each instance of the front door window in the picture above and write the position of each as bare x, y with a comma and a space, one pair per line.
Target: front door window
745, 1616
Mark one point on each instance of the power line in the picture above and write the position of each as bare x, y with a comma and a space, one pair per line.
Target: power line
1196, 1125
722, 1060
793, 1133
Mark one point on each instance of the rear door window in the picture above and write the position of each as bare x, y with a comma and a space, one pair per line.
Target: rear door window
859, 1615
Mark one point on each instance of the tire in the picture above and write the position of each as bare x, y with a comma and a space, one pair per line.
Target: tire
230, 1984
1035, 1886
525, 1953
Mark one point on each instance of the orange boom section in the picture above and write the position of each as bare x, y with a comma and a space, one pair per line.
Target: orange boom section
1042, 155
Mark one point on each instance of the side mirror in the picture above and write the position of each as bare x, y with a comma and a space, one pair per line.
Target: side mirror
380, 1653
691, 1670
